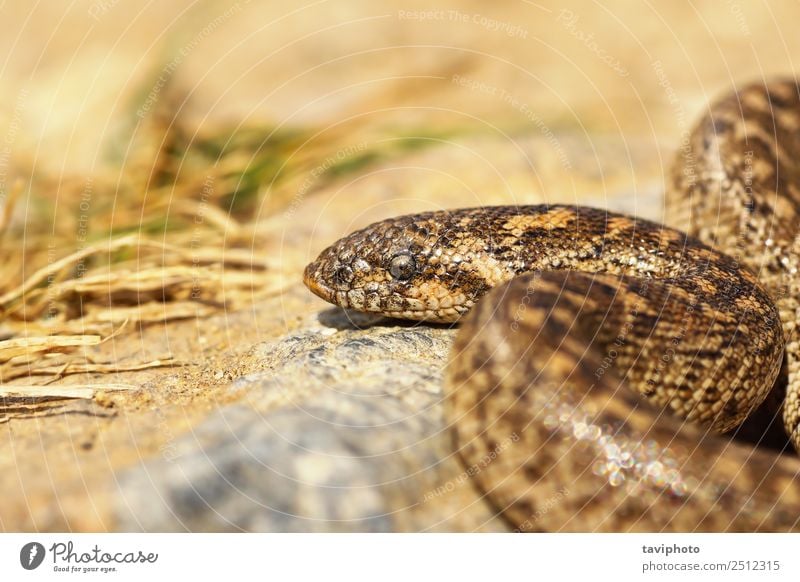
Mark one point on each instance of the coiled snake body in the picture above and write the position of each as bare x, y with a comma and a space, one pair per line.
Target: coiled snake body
601, 354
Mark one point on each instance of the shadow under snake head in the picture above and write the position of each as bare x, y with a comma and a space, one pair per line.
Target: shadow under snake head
428, 267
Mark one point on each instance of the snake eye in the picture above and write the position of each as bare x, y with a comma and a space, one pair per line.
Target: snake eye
402, 266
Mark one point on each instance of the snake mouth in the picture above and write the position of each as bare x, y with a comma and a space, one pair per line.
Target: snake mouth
315, 285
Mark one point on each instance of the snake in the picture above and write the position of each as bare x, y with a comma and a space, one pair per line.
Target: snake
601, 358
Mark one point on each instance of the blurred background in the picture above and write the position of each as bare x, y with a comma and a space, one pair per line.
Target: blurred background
167, 169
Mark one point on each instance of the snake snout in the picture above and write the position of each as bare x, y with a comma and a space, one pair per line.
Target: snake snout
312, 278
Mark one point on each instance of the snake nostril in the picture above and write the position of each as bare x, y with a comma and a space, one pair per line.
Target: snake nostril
342, 275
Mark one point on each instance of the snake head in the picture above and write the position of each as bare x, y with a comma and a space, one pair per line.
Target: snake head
424, 267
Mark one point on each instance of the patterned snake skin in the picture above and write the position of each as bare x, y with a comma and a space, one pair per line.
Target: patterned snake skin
600, 355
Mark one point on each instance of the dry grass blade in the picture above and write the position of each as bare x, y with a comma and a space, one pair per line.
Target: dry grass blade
151, 312
84, 391
31, 345
69, 368
212, 215
51, 270
8, 208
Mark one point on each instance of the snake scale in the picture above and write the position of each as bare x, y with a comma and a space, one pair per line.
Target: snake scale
600, 356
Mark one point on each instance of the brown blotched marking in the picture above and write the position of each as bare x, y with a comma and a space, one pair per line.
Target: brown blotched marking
579, 313
558, 217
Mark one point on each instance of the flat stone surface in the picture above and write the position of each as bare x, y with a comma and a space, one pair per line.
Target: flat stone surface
342, 431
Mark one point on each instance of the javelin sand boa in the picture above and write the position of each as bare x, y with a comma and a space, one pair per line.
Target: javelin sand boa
602, 354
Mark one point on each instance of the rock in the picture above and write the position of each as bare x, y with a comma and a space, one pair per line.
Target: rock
343, 431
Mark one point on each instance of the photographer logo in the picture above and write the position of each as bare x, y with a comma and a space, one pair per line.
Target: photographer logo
31, 555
